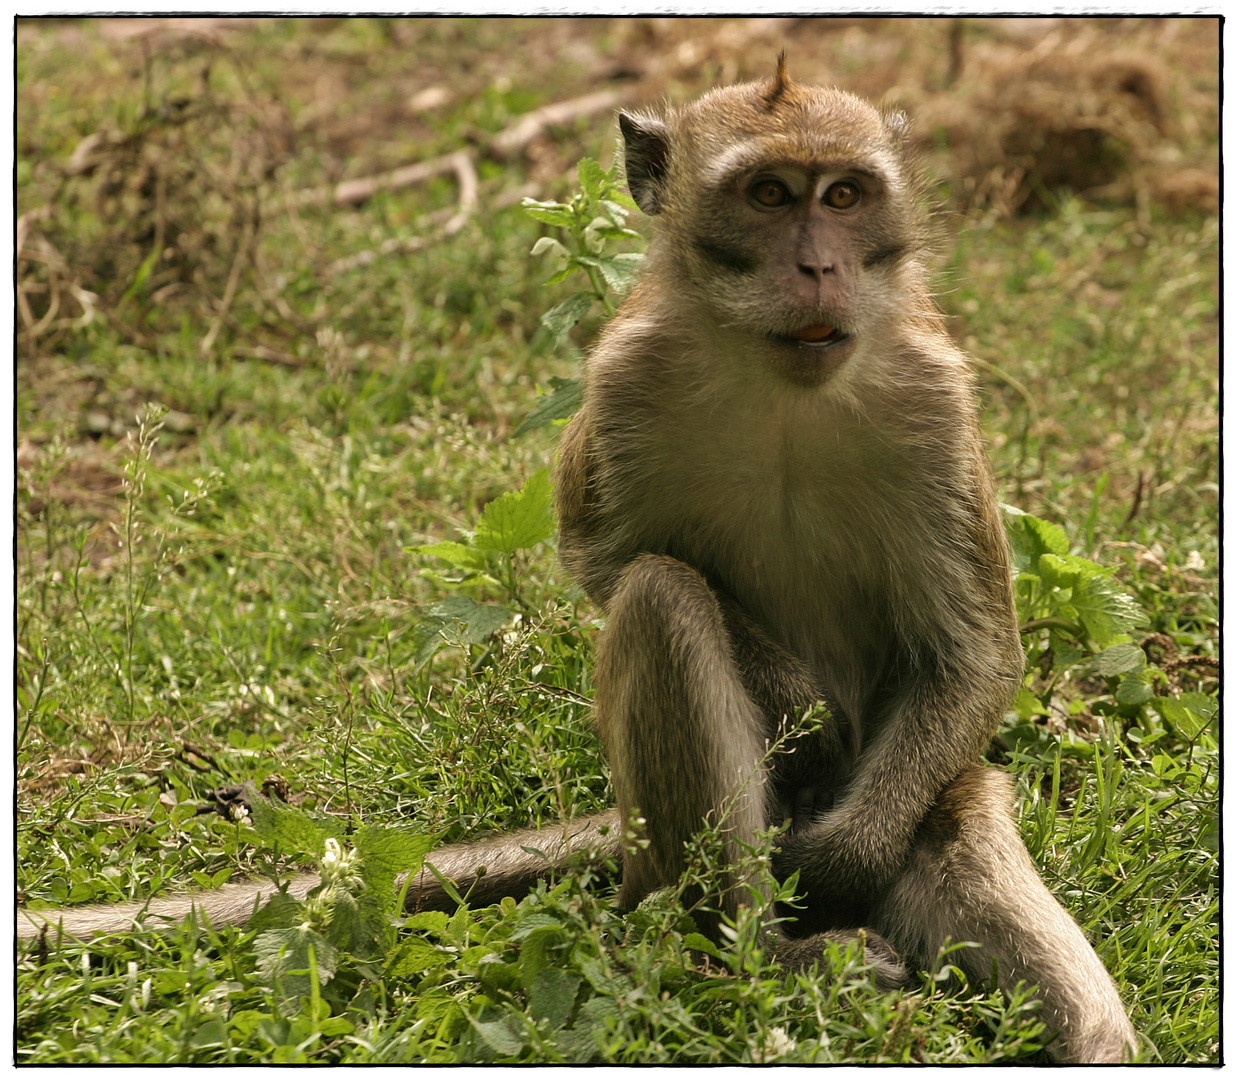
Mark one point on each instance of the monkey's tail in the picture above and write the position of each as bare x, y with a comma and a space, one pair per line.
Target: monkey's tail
232, 905
481, 871
484, 871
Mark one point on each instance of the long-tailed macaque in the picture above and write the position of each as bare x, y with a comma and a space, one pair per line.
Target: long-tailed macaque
776, 490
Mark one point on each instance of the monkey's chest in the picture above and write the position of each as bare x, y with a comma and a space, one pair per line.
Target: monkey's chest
801, 548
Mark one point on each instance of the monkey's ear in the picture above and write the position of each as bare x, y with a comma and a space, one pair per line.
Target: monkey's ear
897, 122
645, 159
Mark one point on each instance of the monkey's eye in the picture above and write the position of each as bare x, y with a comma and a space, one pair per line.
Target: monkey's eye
769, 193
842, 195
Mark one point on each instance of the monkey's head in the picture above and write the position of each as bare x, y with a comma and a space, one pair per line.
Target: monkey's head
783, 210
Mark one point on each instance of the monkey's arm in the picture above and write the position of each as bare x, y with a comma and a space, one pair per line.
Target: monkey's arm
942, 701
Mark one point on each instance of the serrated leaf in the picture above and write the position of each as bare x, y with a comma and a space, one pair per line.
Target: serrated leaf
1105, 609
552, 995
387, 852
562, 402
460, 615
518, 519
1032, 537
562, 317
609, 985
621, 270
291, 830
499, 1035
1063, 571
283, 961
533, 921
358, 923
593, 178
1119, 659
469, 558
414, 957
593, 1020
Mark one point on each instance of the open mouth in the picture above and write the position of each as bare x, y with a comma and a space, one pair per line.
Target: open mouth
817, 334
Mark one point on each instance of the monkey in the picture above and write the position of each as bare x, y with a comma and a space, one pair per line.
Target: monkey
776, 490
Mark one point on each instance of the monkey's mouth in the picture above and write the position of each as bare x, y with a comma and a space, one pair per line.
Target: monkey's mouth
819, 335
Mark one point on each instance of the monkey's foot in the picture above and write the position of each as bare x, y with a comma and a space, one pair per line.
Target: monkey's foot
888, 971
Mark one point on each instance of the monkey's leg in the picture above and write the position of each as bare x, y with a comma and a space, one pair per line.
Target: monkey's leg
684, 739
970, 878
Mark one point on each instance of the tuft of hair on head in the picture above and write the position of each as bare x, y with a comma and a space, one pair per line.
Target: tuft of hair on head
780, 84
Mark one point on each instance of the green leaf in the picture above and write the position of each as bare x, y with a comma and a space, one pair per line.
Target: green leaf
550, 213
1189, 714
471, 622
620, 270
1119, 659
1105, 609
518, 519
499, 1035
561, 403
283, 961
455, 553
563, 274
593, 1020
1032, 537
593, 178
1063, 571
562, 317
434, 921
609, 985
1026, 704
552, 995
1133, 689
290, 830
548, 243
701, 944
387, 852
143, 275
414, 957
617, 213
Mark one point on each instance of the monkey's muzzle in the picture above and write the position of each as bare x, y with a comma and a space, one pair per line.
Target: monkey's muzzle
818, 334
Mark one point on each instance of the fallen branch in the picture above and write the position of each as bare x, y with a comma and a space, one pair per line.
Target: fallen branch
350, 192
507, 142
516, 137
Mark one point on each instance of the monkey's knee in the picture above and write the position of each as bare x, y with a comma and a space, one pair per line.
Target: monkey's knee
684, 739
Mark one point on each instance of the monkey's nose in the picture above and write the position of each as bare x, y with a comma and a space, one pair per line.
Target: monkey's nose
815, 268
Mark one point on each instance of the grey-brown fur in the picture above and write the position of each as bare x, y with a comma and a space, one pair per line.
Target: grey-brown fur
776, 489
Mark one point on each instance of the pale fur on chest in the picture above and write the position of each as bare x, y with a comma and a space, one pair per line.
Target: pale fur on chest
794, 501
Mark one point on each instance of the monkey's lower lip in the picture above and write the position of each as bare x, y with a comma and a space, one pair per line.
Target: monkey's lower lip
817, 334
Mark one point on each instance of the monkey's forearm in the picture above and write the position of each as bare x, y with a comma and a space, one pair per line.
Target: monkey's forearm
932, 735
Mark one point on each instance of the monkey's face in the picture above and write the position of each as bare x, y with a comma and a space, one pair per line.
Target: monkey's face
784, 218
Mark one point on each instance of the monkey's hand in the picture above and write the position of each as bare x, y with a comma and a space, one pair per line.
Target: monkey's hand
844, 862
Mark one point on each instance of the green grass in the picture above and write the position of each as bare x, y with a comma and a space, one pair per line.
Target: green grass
237, 595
